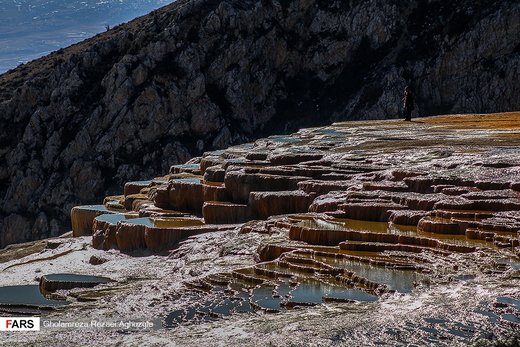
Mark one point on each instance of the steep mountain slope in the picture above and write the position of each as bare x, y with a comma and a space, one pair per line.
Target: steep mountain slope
203, 74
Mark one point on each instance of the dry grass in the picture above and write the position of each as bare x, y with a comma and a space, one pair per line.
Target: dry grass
464, 133
506, 121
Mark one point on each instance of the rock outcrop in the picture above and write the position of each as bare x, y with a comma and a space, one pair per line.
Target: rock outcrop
202, 74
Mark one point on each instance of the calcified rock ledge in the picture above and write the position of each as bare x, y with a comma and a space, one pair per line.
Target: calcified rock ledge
388, 194
362, 218
455, 175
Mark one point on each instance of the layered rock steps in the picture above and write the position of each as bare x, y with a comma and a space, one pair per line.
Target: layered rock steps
336, 206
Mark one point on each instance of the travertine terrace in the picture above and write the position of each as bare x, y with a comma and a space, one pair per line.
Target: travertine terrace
396, 233
418, 197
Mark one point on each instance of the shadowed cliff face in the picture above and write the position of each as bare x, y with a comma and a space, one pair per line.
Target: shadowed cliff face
198, 75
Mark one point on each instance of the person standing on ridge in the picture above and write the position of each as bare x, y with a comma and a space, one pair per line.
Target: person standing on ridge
408, 103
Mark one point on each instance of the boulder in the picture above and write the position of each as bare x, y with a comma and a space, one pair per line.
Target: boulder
97, 260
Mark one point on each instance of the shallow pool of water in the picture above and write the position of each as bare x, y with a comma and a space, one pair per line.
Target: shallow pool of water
273, 296
313, 292
283, 139
113, 218
513, 262
28, 295
189, 167
191, 180
94, 208
77, 278
176, 222
140, 183
141, 221
399, 280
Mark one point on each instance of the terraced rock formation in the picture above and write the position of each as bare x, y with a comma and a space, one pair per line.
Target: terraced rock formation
358, 233
199, 75
353, 211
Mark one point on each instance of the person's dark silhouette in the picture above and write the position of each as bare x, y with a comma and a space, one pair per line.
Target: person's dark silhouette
408, 103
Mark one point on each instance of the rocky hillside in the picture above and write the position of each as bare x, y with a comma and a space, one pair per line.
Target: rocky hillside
204, 74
